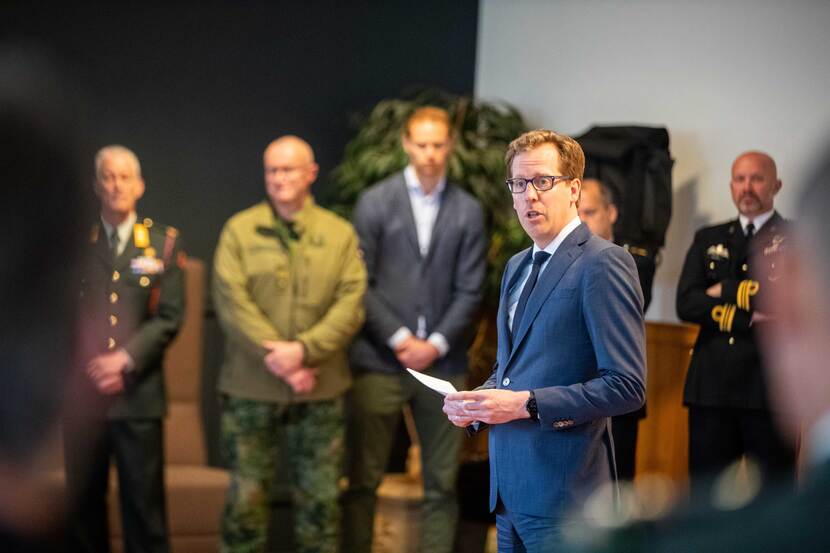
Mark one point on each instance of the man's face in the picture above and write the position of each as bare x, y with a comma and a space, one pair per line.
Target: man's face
428, 146
118, 185
289, 173
596, 213
543, 214
754, 184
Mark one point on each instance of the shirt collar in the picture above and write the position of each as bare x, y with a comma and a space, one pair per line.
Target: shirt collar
414, 185
554, 244
759, 221
124, 229
301, 218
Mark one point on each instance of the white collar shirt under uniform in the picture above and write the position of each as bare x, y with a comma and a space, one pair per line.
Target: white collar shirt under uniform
516, 292
758, 222
124, 230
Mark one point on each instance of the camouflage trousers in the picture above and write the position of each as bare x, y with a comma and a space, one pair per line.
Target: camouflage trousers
253, 433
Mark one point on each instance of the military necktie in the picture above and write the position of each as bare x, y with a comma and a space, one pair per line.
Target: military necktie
750, 231
115, 241
538, 259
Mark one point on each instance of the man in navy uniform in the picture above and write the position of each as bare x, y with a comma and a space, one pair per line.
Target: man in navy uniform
725, 391
132, 302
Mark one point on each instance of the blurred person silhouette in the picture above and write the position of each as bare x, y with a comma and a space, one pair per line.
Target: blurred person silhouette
43, 206
796, 344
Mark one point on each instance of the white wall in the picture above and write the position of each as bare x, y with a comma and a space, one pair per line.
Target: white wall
722, 76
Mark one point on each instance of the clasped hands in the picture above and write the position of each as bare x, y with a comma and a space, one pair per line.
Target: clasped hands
492, 406
416, 354
107, 371
716, 291
285, 361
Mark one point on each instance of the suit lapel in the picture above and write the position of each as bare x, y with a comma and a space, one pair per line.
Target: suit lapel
556, 268
130, 251
447, 197
405, 212
100, 245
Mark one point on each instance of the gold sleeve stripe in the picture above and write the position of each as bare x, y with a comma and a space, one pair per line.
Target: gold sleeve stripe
752, 287
717, 315
730, 317
740, 296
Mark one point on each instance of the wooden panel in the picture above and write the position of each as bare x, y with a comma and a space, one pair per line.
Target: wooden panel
662, 445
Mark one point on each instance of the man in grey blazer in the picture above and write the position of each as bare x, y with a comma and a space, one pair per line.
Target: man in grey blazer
570, 353
424, 244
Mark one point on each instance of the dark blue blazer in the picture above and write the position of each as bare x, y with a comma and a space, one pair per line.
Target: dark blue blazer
580, 347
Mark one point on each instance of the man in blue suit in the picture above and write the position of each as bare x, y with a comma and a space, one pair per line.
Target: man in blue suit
570, 353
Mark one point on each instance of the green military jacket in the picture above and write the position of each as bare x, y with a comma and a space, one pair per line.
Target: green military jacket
272, 282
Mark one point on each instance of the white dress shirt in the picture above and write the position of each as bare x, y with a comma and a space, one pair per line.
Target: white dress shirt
425, 211
125, 231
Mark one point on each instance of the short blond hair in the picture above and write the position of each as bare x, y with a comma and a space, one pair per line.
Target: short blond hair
428, 113
571, 156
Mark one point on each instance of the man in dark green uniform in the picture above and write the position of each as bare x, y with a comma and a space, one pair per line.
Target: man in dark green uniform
729, 415
132, 301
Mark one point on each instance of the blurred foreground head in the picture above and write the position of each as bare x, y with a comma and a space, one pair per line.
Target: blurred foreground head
798, 345
42, 202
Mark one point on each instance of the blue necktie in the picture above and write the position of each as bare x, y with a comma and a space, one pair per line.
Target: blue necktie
538, 258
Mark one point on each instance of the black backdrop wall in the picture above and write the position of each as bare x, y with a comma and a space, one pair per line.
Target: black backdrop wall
199, 89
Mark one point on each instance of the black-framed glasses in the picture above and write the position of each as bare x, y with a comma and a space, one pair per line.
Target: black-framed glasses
540, 183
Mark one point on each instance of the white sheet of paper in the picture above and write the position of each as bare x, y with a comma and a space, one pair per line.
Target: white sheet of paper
443, 387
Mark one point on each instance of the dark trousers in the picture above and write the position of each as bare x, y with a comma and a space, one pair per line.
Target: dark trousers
375, 405
624, 428
719, 436
137, 446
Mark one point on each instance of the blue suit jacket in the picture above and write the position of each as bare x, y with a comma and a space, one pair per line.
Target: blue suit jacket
580, 347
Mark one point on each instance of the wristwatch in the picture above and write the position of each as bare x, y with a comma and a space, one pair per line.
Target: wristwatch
531, 407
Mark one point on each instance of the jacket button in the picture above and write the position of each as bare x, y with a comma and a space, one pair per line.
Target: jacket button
113, 298
115, 276
113, 320
731, 340
111, 343
505, 382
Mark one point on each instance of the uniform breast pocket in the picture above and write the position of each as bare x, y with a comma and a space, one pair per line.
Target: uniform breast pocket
716, 268
268, 273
